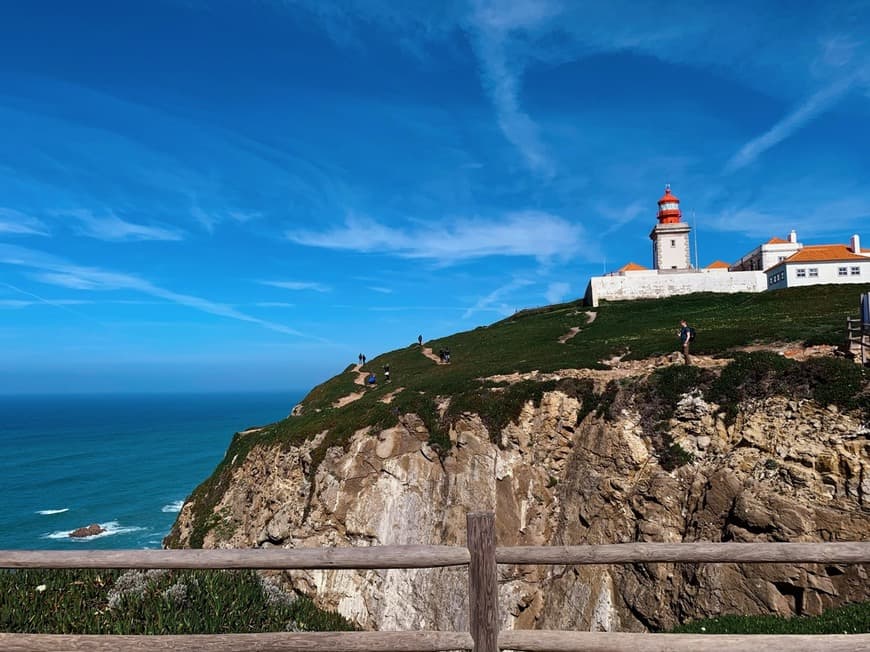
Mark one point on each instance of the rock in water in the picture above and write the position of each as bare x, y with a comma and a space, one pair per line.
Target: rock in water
91, 530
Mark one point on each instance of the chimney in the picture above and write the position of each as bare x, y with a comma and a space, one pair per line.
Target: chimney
792, 237
856, 244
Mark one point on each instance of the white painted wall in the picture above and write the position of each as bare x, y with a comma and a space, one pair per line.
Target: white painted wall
646, 285
828, 272
671, 246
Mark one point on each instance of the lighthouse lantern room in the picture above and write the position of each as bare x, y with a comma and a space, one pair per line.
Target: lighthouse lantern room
670, 236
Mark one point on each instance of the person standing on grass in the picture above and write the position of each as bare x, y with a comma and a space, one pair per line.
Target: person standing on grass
420, 340
685, 336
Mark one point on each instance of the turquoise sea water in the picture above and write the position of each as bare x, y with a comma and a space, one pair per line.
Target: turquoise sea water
126, 462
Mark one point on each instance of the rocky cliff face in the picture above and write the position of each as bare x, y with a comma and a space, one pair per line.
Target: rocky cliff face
785, 470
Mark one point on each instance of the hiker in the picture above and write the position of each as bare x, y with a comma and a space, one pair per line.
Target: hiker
360, 359
420, 340
371, 379
685, 336
447, 356
441, 355
386, 373
363, 359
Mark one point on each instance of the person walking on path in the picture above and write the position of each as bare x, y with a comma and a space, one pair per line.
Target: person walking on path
386, 373
360, 359
420, 340
363, 359
685, 336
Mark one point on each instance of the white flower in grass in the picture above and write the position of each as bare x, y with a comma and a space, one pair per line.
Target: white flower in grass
41, 588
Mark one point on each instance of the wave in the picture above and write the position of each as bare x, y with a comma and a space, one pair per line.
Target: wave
111, 528
49, 512
173, 507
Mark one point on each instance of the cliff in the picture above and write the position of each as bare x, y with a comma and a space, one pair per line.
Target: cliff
751, 447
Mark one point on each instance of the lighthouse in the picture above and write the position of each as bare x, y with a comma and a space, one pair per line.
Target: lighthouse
670, 236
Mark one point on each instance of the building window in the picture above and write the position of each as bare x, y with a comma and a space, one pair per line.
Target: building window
673, 243
842, 271
801, 273
856, 271
780, 259
814, 272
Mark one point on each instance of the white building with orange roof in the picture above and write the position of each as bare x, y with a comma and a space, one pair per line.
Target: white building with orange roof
819, 264
770, 253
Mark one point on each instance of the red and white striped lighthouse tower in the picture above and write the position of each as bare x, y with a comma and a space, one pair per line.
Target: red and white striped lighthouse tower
670, 236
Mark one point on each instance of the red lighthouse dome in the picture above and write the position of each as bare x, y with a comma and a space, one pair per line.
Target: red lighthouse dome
669, 207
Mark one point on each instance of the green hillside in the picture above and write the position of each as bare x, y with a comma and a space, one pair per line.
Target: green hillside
527, 341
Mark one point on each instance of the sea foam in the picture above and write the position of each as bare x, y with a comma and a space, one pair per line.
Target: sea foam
173, 507
49, 512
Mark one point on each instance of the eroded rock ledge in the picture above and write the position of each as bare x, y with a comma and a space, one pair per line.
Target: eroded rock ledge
784, 470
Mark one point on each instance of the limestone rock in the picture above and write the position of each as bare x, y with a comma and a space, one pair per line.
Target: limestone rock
784, 471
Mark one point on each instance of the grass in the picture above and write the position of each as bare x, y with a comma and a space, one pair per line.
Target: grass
528, 341
850, 619
153, 602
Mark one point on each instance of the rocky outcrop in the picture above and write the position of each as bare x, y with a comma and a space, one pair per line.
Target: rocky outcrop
785, 470
88, 531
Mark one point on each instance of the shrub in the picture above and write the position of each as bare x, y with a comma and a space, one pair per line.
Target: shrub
147, 602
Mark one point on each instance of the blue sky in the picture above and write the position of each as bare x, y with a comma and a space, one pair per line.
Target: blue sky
200, 196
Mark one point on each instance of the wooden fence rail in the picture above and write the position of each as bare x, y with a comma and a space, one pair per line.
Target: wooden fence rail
481, 556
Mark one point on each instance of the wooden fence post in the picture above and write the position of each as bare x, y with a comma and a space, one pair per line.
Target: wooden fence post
482, 581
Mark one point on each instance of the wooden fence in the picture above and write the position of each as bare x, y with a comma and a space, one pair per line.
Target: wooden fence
858, 335
481, 556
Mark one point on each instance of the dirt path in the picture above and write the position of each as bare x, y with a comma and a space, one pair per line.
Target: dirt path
590, 316
350, 398
389, 397
571, 333
428, 353
361, 375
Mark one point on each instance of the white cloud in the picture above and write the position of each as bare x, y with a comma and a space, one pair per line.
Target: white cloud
15, 222
494, 301
298, 285
382, 290
110, 227
24, 303
492, 25
527, 233
818, 103
557, 291
57, 271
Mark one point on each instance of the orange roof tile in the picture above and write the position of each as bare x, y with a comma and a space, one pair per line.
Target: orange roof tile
631, 267
718, 264
822, 253
776, 240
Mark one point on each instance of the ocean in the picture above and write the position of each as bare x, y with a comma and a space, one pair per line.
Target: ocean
126, 462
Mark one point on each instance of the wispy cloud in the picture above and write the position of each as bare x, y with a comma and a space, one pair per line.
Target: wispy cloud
557, 291
110, 227
492, 25
16, 222
274, 304
382, 290
298, 285
815, 105
494, 301
57, 271
24, 303
528, 233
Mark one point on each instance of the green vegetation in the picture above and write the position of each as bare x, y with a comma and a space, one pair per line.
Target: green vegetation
153, 602
529, 341
851, 619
